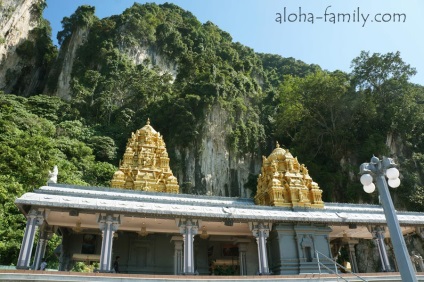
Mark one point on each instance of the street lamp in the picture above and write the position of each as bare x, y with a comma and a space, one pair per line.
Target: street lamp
376, 170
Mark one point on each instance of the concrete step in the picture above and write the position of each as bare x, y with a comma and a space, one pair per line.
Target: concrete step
32, 275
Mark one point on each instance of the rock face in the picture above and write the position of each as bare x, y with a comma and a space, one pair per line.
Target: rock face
67, 58
415, 243
211, 168
367, 256
17, 19
148, 55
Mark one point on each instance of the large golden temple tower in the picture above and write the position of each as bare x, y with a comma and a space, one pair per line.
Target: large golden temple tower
284, 182
145, 165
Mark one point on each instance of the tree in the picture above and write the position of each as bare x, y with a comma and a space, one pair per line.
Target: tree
83, 16
35, 135
383, 79
12, 221
373, 72
104, 148
317, 113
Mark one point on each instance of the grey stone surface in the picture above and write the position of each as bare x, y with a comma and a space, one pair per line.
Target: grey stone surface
128, 201
72, 276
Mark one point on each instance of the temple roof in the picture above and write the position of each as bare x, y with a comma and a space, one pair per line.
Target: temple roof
99, 199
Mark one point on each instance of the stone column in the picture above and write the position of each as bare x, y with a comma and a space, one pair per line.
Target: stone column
261, 232
178, 254
108, 225
34, 219
188, 228
65, 257
242, 247
378, 236
352, 255
45, 235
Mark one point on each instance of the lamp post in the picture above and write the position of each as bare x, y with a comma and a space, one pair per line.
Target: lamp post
377, 170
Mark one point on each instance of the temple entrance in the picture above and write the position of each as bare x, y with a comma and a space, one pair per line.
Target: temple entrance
225, 261
225, 267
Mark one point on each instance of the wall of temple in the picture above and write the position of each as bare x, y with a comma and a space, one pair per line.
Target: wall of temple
292, 247
154, 253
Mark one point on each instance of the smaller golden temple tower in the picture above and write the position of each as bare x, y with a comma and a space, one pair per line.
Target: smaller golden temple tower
145, 165
284, 182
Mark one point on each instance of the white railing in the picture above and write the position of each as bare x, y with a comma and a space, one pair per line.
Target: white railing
336, 265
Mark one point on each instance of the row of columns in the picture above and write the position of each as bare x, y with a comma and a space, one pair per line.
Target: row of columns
108, 224
184, 256
184, 251
46, 233
35, 218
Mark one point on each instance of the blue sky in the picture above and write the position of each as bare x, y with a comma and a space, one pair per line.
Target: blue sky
313, 31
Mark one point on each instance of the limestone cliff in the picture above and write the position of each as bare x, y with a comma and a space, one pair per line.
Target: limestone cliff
148, 55
211, 167
368, 258
17, 19
65, 62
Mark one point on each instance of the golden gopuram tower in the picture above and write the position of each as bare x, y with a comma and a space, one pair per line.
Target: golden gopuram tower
145, 165
284, 182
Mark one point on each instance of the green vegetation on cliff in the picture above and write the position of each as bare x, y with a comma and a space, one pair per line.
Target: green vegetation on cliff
331, 121
37, 55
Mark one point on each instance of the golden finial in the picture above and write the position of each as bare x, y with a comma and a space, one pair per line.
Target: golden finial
278, 145
148, 121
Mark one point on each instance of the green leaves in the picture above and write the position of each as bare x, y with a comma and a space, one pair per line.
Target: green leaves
373, 71
83, 16
35, 135
331, 120
12, 221
313, 112
104, 148
159, 61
